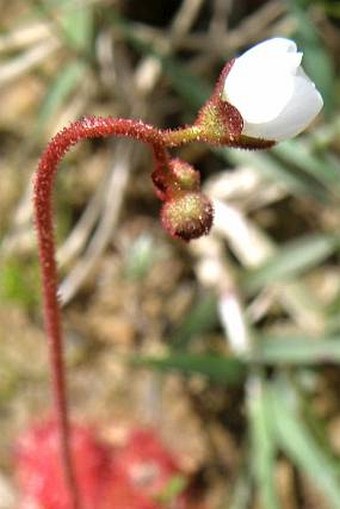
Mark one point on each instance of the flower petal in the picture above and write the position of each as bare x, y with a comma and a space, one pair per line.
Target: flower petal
274, 96
305, 104
267, 67
252, 93
271, 48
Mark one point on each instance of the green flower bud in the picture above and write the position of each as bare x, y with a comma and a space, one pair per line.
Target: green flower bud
184, 176
187, 216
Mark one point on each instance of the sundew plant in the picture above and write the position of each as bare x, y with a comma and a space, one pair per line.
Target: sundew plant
253, 222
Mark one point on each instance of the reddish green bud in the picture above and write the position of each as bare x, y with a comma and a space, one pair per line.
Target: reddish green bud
220, 122
178, 176
184, 176
187, 216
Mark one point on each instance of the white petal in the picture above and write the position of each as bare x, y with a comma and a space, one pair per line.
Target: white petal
305, 104
275, 47
269, 88
259, 95
267, 67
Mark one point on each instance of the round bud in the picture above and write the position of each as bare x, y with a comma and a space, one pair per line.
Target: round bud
187, 216
184, 176
179, 176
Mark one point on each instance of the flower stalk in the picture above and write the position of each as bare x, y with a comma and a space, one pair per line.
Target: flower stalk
226, 119
88, 127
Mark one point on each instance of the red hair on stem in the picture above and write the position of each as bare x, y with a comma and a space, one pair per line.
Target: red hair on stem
88, 127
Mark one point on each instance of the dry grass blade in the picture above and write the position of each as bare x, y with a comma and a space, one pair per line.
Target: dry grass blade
114, 198
24, 63
80, 234
184, 18
24, 36
246, 33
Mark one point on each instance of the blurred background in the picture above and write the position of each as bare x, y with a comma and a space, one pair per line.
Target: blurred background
229, 345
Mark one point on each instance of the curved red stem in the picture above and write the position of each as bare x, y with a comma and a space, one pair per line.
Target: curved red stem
89, 127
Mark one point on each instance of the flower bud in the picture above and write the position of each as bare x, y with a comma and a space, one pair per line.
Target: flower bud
187, 216
179, 176
185, 177
269, 88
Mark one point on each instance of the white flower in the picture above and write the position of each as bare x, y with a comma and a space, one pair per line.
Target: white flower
271, 91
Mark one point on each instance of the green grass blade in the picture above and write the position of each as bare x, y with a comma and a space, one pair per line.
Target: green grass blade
224, 370
192, 89
297, 182
242, 492
74, 21
264, 448
293, 259
77, 23
299, 350
201, 318
298, 443
300, 154
65, 83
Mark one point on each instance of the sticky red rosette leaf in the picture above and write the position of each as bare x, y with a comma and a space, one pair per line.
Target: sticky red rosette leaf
39, 470
146, 462
133, 475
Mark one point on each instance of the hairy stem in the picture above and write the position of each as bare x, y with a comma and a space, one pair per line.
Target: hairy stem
89, 127
182, 136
